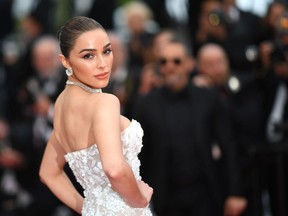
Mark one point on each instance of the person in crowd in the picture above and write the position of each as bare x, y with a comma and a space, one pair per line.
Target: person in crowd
213, 72
180, 121
212, 27
14, 199
271, 18
245, 34
100, 145
212, 66
30, 29
139, 19
274, 158
41, 89
245, 31
161, 37
272, 36
140, 30
149, 79
159, 40
36, 105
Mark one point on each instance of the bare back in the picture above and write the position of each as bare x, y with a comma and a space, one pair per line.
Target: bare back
74, 118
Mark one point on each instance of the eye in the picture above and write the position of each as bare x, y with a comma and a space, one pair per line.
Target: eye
88, 56
107, 51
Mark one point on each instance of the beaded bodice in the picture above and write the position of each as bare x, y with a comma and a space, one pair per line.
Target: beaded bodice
100, 199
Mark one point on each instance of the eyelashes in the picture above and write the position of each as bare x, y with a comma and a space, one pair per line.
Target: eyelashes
107, 51
92, 55
88, 56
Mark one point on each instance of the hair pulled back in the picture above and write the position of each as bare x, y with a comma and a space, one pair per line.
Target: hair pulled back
72, 29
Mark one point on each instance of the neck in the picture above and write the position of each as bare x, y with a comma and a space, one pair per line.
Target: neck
177, 85
83, 86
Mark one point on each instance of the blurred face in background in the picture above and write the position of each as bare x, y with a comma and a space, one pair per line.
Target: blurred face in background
30, 28
45, 57
175, 65
213, 62
273, 14
137, 15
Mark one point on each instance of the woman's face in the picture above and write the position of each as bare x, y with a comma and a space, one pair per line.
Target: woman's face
91, 58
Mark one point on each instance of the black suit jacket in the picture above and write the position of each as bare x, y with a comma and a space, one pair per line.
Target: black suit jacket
207, 121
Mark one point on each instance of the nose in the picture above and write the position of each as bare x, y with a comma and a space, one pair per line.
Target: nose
101, 62
169, 67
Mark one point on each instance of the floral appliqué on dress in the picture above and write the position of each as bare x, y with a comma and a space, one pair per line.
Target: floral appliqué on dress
100, 198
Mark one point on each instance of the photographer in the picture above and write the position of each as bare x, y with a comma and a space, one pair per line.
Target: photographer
212, 25
275, 81
35, 102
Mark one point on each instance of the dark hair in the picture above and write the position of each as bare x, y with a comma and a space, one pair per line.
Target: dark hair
184, 41
72, 29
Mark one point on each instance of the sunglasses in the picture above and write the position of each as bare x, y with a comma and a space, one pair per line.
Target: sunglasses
176, 61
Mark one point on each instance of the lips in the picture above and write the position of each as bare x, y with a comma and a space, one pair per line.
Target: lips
102, 75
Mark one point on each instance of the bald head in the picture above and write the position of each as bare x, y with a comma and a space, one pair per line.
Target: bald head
45, 55
213, 62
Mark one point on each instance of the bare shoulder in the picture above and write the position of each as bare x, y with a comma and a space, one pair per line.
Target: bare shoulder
105, 104
108, 99
58, 100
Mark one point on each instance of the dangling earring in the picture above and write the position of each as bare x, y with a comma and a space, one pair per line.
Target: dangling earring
69, 71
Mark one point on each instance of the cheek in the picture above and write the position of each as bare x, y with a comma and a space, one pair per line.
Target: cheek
110, 61
83, 68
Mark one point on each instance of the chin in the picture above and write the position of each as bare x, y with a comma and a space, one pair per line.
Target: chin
103, 84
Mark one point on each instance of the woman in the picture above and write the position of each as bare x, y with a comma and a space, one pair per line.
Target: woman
100, 145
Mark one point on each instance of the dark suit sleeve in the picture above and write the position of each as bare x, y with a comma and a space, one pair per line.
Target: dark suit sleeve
225, 138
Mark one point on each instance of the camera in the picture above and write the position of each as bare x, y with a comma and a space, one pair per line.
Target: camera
217, 18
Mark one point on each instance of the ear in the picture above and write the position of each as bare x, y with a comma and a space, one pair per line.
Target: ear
64, 61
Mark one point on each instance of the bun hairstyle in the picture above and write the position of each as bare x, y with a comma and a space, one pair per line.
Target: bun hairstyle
72, 29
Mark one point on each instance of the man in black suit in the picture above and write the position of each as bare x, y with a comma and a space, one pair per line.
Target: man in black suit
272, 157
180, 123
245, 31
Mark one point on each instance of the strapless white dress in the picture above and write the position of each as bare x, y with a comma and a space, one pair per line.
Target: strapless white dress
100, 199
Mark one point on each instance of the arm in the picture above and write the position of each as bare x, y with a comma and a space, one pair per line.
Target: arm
52, 174
106, 127
235, 203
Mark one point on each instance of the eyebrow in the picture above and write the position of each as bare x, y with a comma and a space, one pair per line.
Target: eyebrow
93, 50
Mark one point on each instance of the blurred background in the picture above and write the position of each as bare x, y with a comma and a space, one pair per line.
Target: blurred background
253, 34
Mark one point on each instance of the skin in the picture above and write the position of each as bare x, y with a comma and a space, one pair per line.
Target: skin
45, 61
82, 119
45, 57
175, 77
213, 62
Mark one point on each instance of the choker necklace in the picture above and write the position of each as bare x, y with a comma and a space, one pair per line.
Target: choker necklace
83, 86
